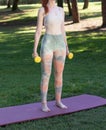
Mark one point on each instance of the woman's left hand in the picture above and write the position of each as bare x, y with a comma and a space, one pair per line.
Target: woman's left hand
67, 50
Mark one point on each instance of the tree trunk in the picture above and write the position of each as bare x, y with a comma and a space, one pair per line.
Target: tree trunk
85, 4
15, 5
8, 3
75, 14
60, 3
104, 13
69, 7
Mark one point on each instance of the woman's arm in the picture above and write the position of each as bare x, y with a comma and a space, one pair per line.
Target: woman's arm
64, 33
38, 30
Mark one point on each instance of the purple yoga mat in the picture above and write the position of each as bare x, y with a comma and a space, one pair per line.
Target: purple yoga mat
27, 112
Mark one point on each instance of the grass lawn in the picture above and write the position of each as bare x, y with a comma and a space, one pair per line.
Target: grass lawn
20, 76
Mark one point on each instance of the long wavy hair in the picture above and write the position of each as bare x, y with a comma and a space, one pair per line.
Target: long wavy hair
44, 4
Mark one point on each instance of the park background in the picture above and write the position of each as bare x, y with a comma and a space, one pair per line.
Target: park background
85, 73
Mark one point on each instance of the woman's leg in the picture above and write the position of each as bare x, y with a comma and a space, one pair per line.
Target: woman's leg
46, 71
59, 60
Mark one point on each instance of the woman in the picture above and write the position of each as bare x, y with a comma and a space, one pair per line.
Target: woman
53, 48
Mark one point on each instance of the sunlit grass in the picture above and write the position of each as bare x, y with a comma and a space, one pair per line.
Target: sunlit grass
26, 11
94, 9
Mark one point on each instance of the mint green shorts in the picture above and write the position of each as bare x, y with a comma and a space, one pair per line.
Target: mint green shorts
51, 43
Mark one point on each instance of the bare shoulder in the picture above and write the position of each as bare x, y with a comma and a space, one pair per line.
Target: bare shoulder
61, 9
41, 11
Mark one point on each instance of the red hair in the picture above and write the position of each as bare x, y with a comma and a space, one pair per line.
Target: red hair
44, 4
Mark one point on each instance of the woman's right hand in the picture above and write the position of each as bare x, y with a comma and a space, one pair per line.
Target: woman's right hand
34, 54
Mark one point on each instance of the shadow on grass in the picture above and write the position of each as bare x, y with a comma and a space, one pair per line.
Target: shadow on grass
6, 10
27, 21
30, 21
18, 18
93, 43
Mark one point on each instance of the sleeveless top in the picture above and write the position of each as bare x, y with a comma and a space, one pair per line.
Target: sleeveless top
54, 19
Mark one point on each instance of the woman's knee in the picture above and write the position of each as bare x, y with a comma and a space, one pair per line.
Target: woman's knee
46, 74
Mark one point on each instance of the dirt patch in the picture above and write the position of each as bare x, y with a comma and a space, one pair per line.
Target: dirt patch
85, 24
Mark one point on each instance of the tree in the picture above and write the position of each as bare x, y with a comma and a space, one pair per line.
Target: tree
75, 14
85, 4
15, 5
104, 13
8, 3
69, 7
60, 3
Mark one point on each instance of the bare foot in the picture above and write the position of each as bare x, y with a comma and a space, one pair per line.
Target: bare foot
45, 107
61, 105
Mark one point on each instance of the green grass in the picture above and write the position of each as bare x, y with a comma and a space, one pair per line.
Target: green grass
85, 73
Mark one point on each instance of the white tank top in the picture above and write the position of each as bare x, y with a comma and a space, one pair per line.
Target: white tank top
53, 20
